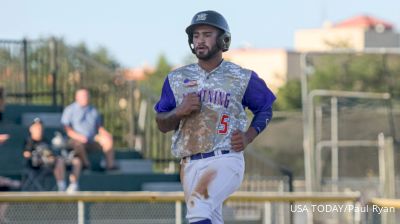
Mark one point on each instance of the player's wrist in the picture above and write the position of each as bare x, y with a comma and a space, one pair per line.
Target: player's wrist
250, 135
179, 113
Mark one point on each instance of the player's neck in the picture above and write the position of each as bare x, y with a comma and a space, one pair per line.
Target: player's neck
212, 63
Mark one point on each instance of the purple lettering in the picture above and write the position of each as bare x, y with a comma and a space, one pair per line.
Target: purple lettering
210, 93
227, 100
221, 98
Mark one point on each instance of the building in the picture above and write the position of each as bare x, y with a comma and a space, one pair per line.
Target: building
357, 33
277, 66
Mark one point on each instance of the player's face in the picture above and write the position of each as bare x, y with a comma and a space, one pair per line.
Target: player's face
205, 41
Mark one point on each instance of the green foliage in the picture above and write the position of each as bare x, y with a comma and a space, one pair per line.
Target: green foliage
347, 72
350, 73
155, 80
289, 96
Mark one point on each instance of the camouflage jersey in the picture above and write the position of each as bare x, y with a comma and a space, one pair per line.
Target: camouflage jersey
224, 93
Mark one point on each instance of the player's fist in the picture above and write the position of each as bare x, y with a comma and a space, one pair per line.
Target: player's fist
190, 104
238, 141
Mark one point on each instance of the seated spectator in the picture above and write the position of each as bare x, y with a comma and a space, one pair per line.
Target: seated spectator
83, 126
38, 152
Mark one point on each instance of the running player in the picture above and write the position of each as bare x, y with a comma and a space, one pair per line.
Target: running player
204, 104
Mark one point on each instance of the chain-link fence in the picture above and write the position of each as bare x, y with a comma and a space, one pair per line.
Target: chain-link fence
169, 208
48, 72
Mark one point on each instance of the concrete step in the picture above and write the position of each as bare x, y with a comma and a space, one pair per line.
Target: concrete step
117, 181
135, 165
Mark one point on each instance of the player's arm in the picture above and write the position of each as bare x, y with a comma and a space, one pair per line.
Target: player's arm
240, 140
166, 117
169, 114
259, 99
168, 121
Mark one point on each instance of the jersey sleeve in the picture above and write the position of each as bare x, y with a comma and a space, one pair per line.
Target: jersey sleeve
167, 99
259, 99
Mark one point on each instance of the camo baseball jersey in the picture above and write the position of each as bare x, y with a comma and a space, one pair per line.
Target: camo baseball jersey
224, 93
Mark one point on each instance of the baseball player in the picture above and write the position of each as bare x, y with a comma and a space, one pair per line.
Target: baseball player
204, 104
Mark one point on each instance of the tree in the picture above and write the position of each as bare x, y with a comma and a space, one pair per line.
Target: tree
350, 72
155, 80
289, 96
347, 72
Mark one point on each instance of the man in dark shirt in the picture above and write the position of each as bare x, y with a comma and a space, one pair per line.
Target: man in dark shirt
39, 154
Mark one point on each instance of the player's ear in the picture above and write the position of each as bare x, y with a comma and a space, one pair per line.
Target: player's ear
223, 40
190, 42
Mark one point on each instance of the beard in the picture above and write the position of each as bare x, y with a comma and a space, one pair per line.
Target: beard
210, 53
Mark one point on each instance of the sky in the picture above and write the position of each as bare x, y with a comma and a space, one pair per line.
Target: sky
136, 32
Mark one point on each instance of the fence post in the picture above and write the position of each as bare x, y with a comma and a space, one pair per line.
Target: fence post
25, 66
387, 175
54, 68
178, 212
267, 213
81, 212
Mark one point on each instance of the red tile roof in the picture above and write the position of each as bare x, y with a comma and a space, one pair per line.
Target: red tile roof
137, 73
364, 21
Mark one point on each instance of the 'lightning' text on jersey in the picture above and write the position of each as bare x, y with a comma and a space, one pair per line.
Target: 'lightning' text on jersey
213, 96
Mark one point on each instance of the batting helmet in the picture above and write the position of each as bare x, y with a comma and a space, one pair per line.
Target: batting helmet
214, 19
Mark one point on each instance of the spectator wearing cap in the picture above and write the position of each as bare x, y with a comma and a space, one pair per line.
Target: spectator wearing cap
38, 144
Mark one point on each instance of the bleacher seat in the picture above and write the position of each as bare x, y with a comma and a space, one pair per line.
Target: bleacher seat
135, 165
117, 181
133, 173
49, 119
13, 112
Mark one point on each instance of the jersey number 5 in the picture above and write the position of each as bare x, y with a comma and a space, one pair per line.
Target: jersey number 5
223, 124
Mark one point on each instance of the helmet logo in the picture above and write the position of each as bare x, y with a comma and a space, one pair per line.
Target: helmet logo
201, 16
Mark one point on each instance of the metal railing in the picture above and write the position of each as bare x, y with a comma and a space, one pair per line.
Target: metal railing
93, 207
385, 208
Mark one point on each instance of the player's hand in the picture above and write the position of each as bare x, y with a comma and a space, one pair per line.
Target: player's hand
190, 104
239, 141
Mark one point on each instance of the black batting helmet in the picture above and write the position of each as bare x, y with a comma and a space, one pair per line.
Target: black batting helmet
214, 19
